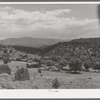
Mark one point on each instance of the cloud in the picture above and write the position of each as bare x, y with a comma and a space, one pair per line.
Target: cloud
58, 12
6, 8
17, 22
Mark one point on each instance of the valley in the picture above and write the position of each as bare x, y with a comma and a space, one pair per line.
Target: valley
65, 65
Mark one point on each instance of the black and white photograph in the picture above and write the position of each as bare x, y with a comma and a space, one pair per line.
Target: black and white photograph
49, 46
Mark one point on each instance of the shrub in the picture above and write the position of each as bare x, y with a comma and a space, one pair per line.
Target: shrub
59, 67
22, 74
18, 59
5, 50
30, 58
96, 66
39, 70
95, 63
55, 58
55, 83
75, 64
67, 57
49, 63
63, 63
87, 65
85, 58
37, 60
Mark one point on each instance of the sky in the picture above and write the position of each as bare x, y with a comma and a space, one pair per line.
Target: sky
60, 21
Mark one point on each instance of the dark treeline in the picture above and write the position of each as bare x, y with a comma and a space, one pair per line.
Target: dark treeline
30, 50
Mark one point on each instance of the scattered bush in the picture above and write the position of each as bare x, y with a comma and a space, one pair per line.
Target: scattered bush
96, 66
55, 83
55, 58
63, 63
49, 63
18, 59
59, 67
95, 63
37, 60
67, 57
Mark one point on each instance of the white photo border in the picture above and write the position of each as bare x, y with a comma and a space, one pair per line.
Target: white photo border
49, 93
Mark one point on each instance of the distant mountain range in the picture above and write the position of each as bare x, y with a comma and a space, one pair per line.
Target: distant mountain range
30, 42
83, 48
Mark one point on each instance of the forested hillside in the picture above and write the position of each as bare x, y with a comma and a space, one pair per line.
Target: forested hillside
82, 48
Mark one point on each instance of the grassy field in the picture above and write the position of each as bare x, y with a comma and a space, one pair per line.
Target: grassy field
85, 80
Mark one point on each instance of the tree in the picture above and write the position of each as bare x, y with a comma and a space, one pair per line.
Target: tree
87, 65
95, 63
75, 64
